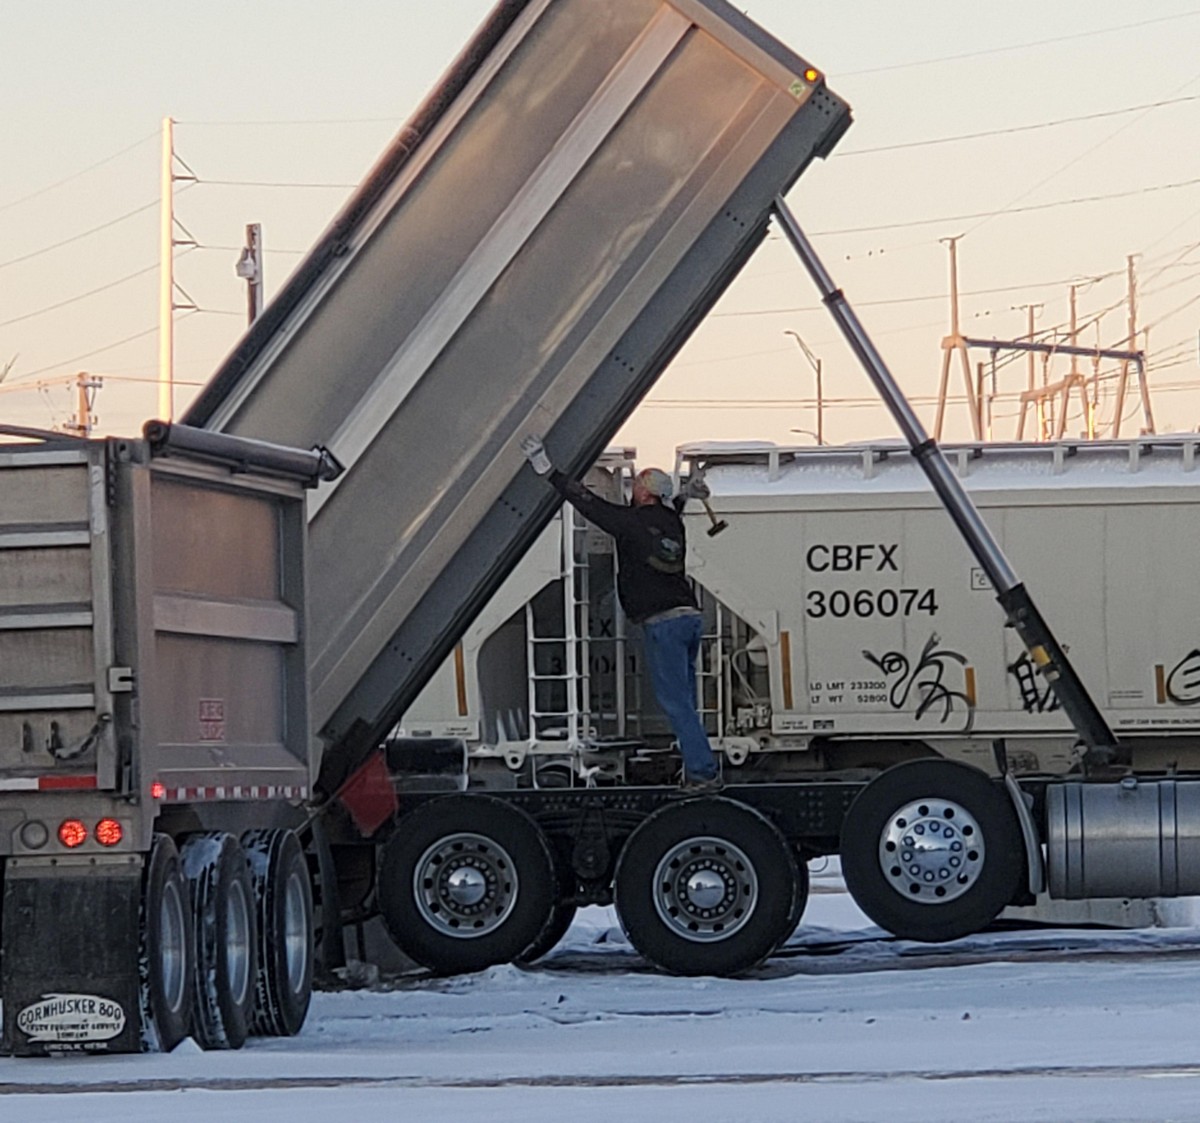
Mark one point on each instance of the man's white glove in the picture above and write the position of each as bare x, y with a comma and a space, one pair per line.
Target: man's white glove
535, 453
696, 488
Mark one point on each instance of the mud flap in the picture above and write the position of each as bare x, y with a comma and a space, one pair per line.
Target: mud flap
70, 966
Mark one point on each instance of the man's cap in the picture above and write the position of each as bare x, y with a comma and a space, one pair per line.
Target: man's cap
655, 481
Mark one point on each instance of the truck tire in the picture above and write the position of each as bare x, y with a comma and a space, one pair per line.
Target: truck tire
225, 945
931, 850
165, 949
800, 903
706, 887
283, 905
561, 916
466, 882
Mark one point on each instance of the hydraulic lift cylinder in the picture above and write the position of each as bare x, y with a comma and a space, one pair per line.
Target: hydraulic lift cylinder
1014, 598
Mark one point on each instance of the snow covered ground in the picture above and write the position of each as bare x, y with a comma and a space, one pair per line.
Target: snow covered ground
844, 1024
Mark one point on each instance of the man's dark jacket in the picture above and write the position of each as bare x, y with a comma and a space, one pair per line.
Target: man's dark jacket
651, 549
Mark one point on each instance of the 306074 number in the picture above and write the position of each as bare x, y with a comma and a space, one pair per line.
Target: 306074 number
866, 603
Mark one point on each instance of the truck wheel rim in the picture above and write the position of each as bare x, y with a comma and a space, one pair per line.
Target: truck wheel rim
237, 943
705, 889
295, 933
465, 885
172, 954
932, 851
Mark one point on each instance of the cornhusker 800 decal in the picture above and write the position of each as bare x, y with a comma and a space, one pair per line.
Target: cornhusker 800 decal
72, 1018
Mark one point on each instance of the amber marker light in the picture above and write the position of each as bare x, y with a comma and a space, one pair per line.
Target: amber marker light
72, 833
108, 832
811, 75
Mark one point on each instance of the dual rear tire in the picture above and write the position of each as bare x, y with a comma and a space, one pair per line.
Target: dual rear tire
705, 887
225, 947
165, 949
225, 939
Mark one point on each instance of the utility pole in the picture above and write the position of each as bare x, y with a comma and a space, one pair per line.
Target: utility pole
84, 421
166, 274
955, 342
1030, 374
250, 269
166, 271
1089, 409
1143, 386
815, 363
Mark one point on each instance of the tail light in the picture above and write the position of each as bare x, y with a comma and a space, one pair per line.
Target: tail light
72, 833
108, 832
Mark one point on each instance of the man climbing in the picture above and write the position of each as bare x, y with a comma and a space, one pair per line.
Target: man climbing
654, 592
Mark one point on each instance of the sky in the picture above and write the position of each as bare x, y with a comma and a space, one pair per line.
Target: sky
1055, 140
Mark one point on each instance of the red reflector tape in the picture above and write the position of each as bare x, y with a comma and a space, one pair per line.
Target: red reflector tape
235, 792
63, 783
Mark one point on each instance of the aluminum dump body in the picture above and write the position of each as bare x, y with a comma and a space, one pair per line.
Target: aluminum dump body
528, 256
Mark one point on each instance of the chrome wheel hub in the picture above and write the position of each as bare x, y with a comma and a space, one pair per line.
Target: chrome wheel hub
172, 952
237, 943
465, 885
931, 851
705, 889
295, 940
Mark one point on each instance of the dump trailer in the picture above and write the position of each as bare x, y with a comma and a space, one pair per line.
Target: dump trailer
155, 759
527, 258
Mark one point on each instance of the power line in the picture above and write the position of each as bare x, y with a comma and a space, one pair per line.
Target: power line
1009, 210
80, 236
152, 381
1015, 128
238, 249
76, 175
1019, 46
81, 296
1146, 292
252, 183
85, 354
297, 121
911, 299
1174, 312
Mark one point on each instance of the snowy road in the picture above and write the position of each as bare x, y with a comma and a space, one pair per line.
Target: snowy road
1079, 1026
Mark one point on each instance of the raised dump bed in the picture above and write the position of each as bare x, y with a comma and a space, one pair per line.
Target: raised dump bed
536, 245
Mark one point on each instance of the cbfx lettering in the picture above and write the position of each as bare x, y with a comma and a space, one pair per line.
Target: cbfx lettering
846, 558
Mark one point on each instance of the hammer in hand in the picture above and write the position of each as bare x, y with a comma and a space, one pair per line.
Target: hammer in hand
718, 525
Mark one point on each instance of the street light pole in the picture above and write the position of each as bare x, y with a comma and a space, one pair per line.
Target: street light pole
815, 363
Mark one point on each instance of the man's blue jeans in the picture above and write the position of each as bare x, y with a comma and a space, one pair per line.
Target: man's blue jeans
671, 647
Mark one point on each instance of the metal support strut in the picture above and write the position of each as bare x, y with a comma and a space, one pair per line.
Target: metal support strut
1014, 598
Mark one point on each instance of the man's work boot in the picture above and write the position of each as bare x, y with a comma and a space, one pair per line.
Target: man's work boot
695, 786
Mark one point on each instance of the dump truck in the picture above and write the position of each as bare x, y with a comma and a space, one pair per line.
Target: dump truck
527, 257
606, 226
184, 711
